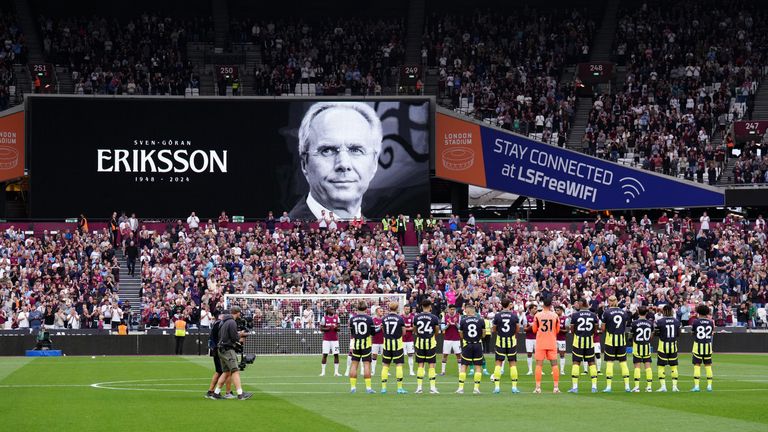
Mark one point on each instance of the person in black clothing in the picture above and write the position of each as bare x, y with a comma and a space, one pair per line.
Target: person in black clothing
228, 338
82, 224
114, 229
131, 253
213, 343
270, 222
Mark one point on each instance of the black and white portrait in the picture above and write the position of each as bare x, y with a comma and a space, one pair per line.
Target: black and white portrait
362, 159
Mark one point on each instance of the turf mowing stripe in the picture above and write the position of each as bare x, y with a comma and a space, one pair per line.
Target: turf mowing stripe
9, 367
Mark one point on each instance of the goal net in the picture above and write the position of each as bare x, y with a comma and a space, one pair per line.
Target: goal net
290, 323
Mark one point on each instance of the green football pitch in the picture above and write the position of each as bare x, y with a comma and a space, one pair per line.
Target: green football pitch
166, 393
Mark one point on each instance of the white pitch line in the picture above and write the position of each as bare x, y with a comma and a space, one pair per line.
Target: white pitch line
246, 383
126, 385
41, 385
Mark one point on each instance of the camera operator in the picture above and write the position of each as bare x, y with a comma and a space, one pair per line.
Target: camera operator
229, 338
213, 348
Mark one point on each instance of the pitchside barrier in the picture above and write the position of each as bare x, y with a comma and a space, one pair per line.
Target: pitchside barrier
281, 341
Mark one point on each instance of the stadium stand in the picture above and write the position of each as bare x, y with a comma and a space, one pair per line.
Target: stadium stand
691, 69
506, 68
12, 52
145, 55
323, 59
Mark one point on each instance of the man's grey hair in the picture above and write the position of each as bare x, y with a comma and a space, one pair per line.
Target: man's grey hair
362, 108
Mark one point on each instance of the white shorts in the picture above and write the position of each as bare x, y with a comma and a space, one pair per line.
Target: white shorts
530, 346
408, 348
330, 347
560, 346
598, 350
451, 347
377, 349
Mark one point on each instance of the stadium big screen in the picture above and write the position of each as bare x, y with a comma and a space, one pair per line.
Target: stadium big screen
165, 157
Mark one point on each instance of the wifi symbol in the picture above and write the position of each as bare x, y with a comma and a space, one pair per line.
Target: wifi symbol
631, 187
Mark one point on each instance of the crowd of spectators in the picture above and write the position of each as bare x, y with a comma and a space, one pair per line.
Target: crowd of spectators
331, 55
691, 68
144, 55
60, 280
506, 68
71, 279
751, 165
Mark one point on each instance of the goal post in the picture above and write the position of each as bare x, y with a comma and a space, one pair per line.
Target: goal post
290, 323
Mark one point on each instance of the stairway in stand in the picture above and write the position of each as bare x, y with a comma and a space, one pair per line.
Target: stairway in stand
130, 286
411, 254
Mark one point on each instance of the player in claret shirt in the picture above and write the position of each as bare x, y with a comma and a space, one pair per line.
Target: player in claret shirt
378, 338
530, 336
330, 327
561, 345
408, 317
451, 338
702, 328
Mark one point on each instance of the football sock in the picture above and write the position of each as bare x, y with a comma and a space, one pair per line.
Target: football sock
599, 363
373, 367
674, 376
349, 364
240, 391
323, 368
593, 375
432, 378
530, 364
419, 376
399, 376
538, 376
662, 376
575, 375
443, 367
696, 375
367, 383
410, 363
462, 378
556, 375
649, 376
217, 390
625, 373
384, 376
336, 368
478, 377
708, 370
513, 375
562, 364
353, 382
497, 376
608, 374
637, 376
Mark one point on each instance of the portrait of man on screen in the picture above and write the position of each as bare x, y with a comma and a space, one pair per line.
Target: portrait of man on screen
339, 146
